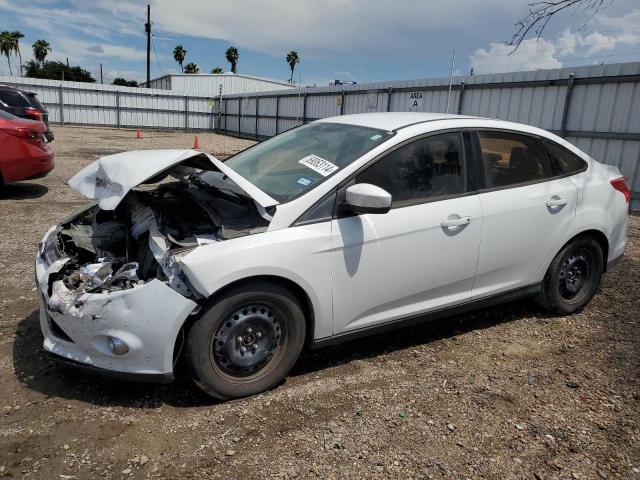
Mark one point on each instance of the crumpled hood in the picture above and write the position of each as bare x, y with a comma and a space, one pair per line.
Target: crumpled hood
110, 178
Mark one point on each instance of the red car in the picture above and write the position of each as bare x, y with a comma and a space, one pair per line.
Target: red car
24, 151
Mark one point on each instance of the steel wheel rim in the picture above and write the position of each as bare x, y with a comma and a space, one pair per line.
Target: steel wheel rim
575, 273
247, 340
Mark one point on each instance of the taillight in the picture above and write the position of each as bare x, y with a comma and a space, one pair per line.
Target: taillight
620, 184
33, 113
22, 132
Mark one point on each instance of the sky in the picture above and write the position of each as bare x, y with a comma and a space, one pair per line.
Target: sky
357, 40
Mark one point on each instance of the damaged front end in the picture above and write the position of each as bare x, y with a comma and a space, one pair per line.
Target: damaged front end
110, 275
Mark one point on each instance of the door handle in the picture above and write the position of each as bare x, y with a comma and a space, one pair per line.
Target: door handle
556, 202
456, 222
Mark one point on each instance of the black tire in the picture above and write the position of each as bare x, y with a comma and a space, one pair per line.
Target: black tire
275, 321
573, 277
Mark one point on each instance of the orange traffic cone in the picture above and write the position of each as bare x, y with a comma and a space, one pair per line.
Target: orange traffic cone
196, 143
138, 133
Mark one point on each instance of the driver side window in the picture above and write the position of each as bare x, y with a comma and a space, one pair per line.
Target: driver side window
421, 171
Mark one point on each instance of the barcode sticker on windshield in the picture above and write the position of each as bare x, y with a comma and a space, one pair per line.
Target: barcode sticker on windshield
320, 165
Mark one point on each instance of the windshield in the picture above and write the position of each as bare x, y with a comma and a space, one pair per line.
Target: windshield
296, 161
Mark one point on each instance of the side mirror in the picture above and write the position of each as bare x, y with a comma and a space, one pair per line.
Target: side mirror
364, 198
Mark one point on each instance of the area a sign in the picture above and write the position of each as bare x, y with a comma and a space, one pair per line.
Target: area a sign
416, 101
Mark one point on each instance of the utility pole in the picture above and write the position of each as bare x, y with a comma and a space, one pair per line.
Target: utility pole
101, 73
147, 29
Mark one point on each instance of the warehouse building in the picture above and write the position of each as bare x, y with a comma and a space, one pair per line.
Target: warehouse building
209, 84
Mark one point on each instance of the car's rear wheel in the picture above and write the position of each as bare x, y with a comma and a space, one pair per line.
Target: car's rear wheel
246, 342
573, 277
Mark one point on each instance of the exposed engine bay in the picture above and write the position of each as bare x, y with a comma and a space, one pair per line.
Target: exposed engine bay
146, 234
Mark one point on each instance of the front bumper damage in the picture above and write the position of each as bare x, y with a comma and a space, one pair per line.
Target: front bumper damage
78, 328
113, 295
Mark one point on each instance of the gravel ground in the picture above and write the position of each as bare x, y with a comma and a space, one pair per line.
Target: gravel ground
507, 392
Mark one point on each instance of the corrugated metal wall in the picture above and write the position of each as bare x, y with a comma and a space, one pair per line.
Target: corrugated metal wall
115, 106
208, 85
597, 108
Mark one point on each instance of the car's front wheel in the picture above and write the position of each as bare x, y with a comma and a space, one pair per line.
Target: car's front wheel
246, 342
573, 276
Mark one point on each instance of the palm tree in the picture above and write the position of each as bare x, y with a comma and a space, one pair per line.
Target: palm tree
40, 50
217, 70
191, 68
178, 55
6, 47
232, 57
292, 60
15, 37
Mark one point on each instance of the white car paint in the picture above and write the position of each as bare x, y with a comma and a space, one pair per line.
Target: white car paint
358, 271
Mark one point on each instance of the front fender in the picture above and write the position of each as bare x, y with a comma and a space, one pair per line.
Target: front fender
298, 254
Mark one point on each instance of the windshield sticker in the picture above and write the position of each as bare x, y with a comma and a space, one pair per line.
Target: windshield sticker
304, 181
320, 165
376, 136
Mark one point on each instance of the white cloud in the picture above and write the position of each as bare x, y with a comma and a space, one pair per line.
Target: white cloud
535, 54
80, 50
532, 54
405, 29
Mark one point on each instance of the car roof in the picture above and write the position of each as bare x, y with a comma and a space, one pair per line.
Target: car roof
393, 120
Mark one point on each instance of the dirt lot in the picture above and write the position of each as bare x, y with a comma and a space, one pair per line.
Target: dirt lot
508, 392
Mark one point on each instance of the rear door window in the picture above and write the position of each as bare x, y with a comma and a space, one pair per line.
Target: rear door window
563, 158
13, 99
511, 159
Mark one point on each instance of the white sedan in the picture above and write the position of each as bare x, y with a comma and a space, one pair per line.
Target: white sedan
344, 227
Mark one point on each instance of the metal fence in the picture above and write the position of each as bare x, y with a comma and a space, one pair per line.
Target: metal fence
78, 103
596, 108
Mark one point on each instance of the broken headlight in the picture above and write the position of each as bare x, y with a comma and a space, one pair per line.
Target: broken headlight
49, 249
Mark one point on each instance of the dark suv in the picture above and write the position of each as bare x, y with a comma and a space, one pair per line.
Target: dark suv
22, 103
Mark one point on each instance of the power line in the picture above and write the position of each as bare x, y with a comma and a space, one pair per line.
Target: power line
160, 69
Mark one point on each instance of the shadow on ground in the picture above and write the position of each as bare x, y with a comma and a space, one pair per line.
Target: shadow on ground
36, 370
22, 191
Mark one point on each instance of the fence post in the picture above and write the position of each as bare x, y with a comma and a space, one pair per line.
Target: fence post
257, 111
342, 103
277, 112
567, 104
61, 103
117, 108
239, 116
186, 113
225, 116
461, 97
304, 108
389, 99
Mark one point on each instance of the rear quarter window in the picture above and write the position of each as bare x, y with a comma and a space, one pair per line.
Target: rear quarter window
34, 101
566, 161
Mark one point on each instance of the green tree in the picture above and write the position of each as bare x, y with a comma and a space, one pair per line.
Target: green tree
16, 36
40, 50
124, 82
217, 70
292, 59
178, 55
57, 71
191, 68
232, 57
6, 47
